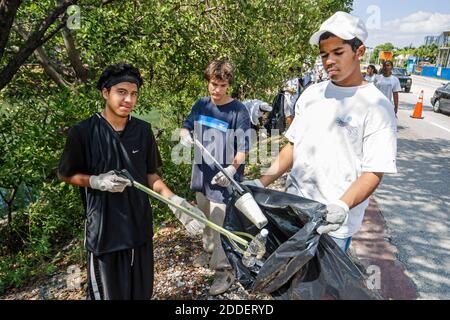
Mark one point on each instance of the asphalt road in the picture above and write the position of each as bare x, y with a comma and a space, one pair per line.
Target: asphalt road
415, 202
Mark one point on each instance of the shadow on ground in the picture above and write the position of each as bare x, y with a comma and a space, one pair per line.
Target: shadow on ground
416, 207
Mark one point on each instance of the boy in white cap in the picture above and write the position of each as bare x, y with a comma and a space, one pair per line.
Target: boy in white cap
343, 137
256, 109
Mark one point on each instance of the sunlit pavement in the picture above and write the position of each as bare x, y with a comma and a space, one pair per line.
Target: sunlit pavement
412, 245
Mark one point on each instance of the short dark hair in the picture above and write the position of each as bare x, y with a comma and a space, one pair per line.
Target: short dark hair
355, 43
121, 69
220, 70
387, 61
373, 68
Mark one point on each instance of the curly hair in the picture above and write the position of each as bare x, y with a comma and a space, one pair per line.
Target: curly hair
119, 70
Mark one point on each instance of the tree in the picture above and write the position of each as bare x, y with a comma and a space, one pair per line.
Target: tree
423, 53
33, 40
382, 47
428, 53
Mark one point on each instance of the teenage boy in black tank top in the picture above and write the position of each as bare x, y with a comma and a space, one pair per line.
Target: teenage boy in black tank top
119, 228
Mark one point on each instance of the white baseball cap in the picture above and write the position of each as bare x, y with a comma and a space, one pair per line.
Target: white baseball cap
344, 26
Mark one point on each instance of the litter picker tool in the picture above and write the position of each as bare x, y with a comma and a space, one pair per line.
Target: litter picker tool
238, 187
234, 237
246, 203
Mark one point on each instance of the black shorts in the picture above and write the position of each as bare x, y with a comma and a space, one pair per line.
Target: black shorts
121, 275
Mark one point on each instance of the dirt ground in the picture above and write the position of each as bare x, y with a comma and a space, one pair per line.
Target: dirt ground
175, 276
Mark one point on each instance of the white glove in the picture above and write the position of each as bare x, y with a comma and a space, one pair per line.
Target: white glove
192, 225
336, 214
256, 183
109, 181
221, 179
186, 139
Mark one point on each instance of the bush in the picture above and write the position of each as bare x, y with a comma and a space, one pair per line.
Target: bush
37, 232
176, 176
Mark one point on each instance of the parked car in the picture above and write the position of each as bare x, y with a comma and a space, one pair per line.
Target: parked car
441, 99
405, 79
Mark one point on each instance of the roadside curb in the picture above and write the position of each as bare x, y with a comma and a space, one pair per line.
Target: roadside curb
371, 247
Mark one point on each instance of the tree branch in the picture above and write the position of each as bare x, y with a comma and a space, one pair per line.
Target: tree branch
9, 203
224, 33
8, 11
44, 60
214, 8
35, 40
74, 56
104, 2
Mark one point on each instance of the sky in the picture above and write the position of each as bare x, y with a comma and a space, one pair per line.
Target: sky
403, 22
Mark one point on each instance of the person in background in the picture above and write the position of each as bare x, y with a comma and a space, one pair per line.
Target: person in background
291, 92
216, 121
256, 110
371, 73
388, 84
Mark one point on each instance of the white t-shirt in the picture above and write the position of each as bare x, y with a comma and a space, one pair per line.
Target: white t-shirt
387, 85
254, 109
291, 94
370, 79
338, 133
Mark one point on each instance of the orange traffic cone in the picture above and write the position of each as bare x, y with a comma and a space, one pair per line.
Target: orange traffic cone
417, 114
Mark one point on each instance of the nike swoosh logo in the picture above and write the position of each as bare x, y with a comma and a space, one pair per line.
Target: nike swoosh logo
135, 151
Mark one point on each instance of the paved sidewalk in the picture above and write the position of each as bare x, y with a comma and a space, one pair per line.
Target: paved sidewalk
372, 248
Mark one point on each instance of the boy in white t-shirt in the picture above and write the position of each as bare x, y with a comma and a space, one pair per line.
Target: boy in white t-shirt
291, 92
256, 110
388, 84
343, 138
372, 73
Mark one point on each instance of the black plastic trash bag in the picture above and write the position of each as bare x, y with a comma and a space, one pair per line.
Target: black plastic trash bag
276, 118
299, 263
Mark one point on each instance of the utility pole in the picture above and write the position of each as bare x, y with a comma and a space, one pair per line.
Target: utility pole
369, 51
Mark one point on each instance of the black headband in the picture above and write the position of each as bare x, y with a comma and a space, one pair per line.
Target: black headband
118, 79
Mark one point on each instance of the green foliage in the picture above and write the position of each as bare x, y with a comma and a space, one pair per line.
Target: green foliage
33, 262
382, 47
30, 242
423, 53
176, 176
428, 53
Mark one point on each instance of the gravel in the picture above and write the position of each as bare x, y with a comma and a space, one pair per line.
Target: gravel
175, 277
